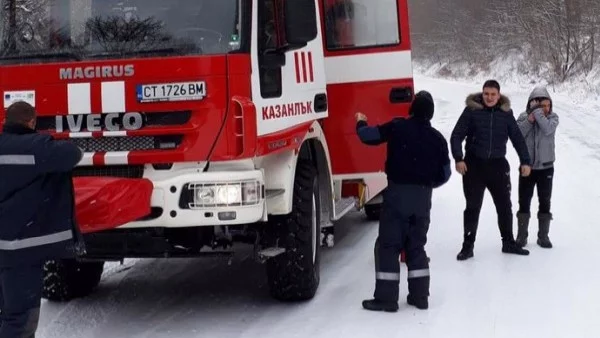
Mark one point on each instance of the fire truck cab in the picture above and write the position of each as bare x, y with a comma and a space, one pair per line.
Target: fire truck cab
210, 123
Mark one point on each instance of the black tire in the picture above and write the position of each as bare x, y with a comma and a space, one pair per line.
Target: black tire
294, 275
372, 211
67, 279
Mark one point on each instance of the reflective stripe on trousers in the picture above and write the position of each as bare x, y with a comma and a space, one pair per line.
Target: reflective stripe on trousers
36, 241
418, 273
391, 276
17, 159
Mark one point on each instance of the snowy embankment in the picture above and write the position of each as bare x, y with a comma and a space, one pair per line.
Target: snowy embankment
551, 293
511, 71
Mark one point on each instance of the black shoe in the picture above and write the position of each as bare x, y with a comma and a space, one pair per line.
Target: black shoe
465, 253
378, 305
544, 243
421, 303
511, 247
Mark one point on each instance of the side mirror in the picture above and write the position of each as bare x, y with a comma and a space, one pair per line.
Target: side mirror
300, 18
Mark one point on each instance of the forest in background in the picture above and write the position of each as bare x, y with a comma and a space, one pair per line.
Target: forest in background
557, 40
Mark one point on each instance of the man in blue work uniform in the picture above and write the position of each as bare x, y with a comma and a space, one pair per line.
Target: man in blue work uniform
417, 161
36, 215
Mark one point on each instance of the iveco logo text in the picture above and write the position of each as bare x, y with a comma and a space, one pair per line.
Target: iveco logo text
94, 122
96, 72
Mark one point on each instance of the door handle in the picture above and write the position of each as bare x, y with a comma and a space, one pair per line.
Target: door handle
320, 104
401, 95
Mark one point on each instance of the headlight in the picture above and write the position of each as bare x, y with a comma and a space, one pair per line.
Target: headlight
226, 194
229, 194
250, 192
205, 195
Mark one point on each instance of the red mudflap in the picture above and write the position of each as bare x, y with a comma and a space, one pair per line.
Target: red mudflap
104, 203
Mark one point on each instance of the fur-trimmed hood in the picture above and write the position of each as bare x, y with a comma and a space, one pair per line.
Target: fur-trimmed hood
475, 102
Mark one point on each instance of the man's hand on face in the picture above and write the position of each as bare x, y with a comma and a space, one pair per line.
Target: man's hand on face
360, 117
531, 118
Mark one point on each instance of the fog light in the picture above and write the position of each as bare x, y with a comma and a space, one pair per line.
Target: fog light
227, 215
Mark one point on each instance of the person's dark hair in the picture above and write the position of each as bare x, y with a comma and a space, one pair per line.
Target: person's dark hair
20, 113
422, 107
491, 84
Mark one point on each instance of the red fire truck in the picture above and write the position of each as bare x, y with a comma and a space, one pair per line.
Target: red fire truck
209, 123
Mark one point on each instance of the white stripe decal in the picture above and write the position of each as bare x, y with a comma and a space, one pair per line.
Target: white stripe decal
79, 98
88, 159
113, 97
114, 133
368, 67
84, 134
116, 157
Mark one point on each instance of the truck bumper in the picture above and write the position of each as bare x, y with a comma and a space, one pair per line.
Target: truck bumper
228, 198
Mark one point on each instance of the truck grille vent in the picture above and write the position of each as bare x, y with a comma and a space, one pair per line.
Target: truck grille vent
127, 143
122, 171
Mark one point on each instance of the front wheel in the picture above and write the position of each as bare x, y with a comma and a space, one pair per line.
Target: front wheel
67, 279
294, 274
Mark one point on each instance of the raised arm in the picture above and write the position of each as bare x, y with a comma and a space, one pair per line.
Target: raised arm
56, 156
374, 135
547, 124
524, 125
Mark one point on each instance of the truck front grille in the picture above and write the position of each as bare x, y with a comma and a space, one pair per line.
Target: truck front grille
122, 171
128, 143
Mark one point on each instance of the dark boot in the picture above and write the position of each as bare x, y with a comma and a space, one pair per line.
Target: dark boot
523, 223
466, 252
420, 303
544, 228
379, 305
468, 242
510, 246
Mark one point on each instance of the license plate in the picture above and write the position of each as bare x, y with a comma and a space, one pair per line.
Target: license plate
180, 91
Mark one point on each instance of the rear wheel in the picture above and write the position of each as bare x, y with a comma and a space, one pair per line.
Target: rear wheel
67, 279
294, 274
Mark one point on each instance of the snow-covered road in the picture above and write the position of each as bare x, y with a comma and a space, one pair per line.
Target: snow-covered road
551, 293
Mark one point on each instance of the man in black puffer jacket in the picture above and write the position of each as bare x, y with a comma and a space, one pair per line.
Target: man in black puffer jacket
487, 123
36, 215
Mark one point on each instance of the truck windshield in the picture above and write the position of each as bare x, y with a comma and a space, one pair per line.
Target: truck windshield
34, 31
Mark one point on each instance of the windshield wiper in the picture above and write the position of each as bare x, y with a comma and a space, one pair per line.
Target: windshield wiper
169, 50
43, 56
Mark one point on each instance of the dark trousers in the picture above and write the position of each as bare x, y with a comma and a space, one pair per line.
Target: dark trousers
403, 225
543, 180
20, 298
493, 175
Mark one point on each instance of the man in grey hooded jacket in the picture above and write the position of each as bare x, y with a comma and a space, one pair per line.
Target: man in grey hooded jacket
538, 125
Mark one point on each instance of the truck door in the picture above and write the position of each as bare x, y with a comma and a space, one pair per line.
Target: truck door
368, 69
291, 92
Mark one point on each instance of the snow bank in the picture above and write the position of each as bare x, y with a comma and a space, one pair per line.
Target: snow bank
512, 72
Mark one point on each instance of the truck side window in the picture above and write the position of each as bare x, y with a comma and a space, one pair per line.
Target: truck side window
270, 79
361, 23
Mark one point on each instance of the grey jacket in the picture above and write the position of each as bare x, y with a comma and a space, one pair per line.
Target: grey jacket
540, 135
